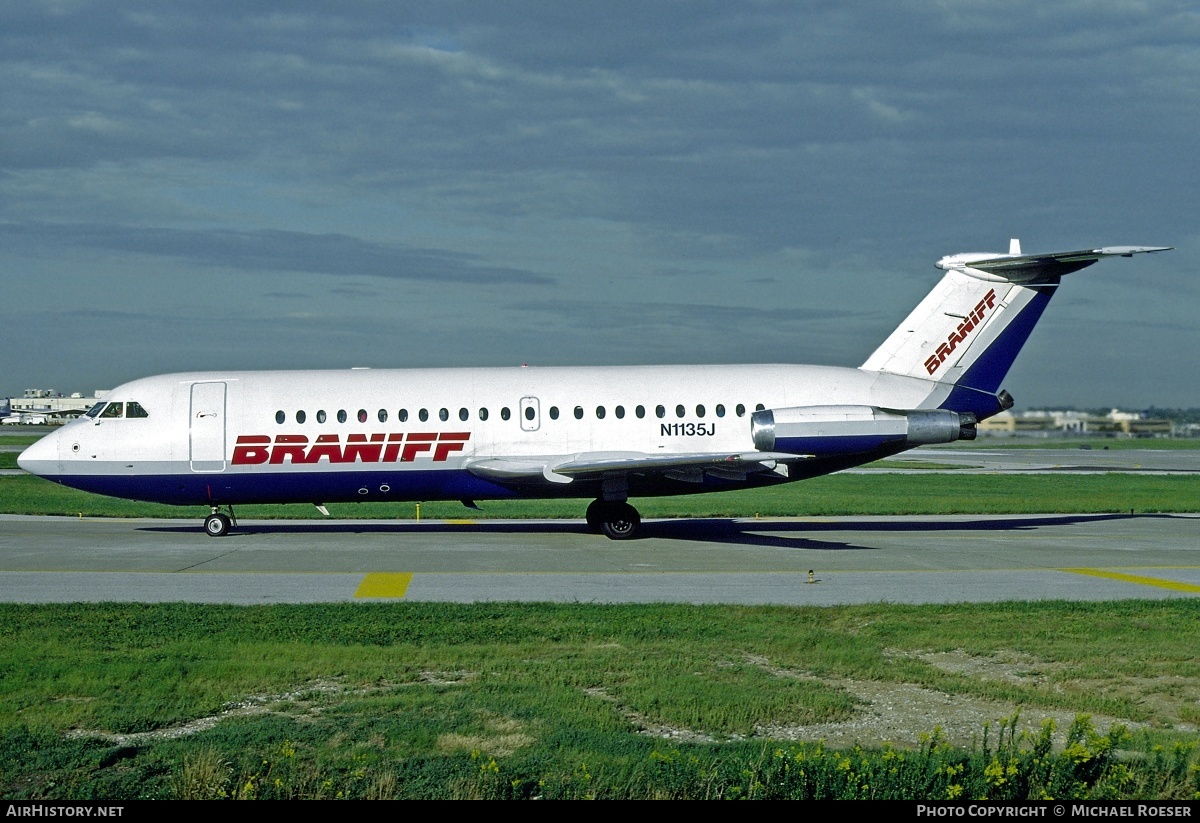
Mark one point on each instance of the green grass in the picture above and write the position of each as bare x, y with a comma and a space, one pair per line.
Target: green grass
550, 700
844, 494
7, 439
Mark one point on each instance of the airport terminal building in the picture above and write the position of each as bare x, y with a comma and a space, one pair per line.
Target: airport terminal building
46, 406
1053, 423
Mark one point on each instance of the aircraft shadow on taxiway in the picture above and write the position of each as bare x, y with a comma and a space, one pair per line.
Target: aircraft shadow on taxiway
791, 534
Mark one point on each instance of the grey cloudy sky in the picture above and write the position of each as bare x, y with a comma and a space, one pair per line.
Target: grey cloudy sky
227, 185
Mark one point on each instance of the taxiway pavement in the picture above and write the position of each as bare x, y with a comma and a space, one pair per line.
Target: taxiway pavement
950, 559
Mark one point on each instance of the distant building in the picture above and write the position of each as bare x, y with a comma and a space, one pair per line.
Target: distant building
1057, 423
49, 406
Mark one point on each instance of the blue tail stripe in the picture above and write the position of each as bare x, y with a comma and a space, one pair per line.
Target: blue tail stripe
988, 372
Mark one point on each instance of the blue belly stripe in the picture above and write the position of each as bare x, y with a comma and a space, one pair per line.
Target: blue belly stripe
290, 487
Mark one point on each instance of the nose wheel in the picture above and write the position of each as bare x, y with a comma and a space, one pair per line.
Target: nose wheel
218, 523
616, 521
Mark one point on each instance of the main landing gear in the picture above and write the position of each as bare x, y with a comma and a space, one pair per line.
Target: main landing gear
218, 523
615, 520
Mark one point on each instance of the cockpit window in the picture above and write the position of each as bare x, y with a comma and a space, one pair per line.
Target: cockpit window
112, 411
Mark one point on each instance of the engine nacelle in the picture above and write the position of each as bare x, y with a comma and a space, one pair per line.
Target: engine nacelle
834, 430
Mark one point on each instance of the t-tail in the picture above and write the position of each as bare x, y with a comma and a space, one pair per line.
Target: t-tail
967, 332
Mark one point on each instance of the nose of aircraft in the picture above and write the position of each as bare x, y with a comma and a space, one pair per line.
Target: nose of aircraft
41, 456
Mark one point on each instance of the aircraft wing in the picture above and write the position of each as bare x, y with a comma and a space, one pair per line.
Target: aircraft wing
591, 465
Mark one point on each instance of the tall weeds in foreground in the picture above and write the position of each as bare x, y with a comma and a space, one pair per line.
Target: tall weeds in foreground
1009, 767
1020, 767
203, 775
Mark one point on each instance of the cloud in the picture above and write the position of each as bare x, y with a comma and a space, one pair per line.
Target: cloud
331, 254
575, 154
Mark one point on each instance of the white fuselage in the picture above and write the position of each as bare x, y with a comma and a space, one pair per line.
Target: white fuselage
365, 434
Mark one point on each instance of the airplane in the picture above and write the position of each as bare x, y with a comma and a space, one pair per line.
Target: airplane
227, 438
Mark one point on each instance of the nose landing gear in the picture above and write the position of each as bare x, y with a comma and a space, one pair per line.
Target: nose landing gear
218, 524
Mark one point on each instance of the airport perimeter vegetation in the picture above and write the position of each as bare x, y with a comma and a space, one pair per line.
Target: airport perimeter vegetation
508, 700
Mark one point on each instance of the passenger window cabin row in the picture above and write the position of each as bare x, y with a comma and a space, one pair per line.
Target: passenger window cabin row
554, 412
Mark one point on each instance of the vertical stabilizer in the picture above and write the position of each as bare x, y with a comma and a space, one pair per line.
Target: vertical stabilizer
967, 332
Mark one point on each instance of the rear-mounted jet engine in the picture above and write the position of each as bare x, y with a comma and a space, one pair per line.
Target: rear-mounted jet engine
838, 430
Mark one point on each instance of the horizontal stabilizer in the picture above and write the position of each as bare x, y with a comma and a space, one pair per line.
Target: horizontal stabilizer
1024, 268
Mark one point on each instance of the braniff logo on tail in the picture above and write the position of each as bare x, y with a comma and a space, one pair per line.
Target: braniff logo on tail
959, 335
610, 433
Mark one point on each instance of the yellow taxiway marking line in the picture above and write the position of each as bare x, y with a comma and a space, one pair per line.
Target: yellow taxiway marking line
384, 584
461, 522
1174, 585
